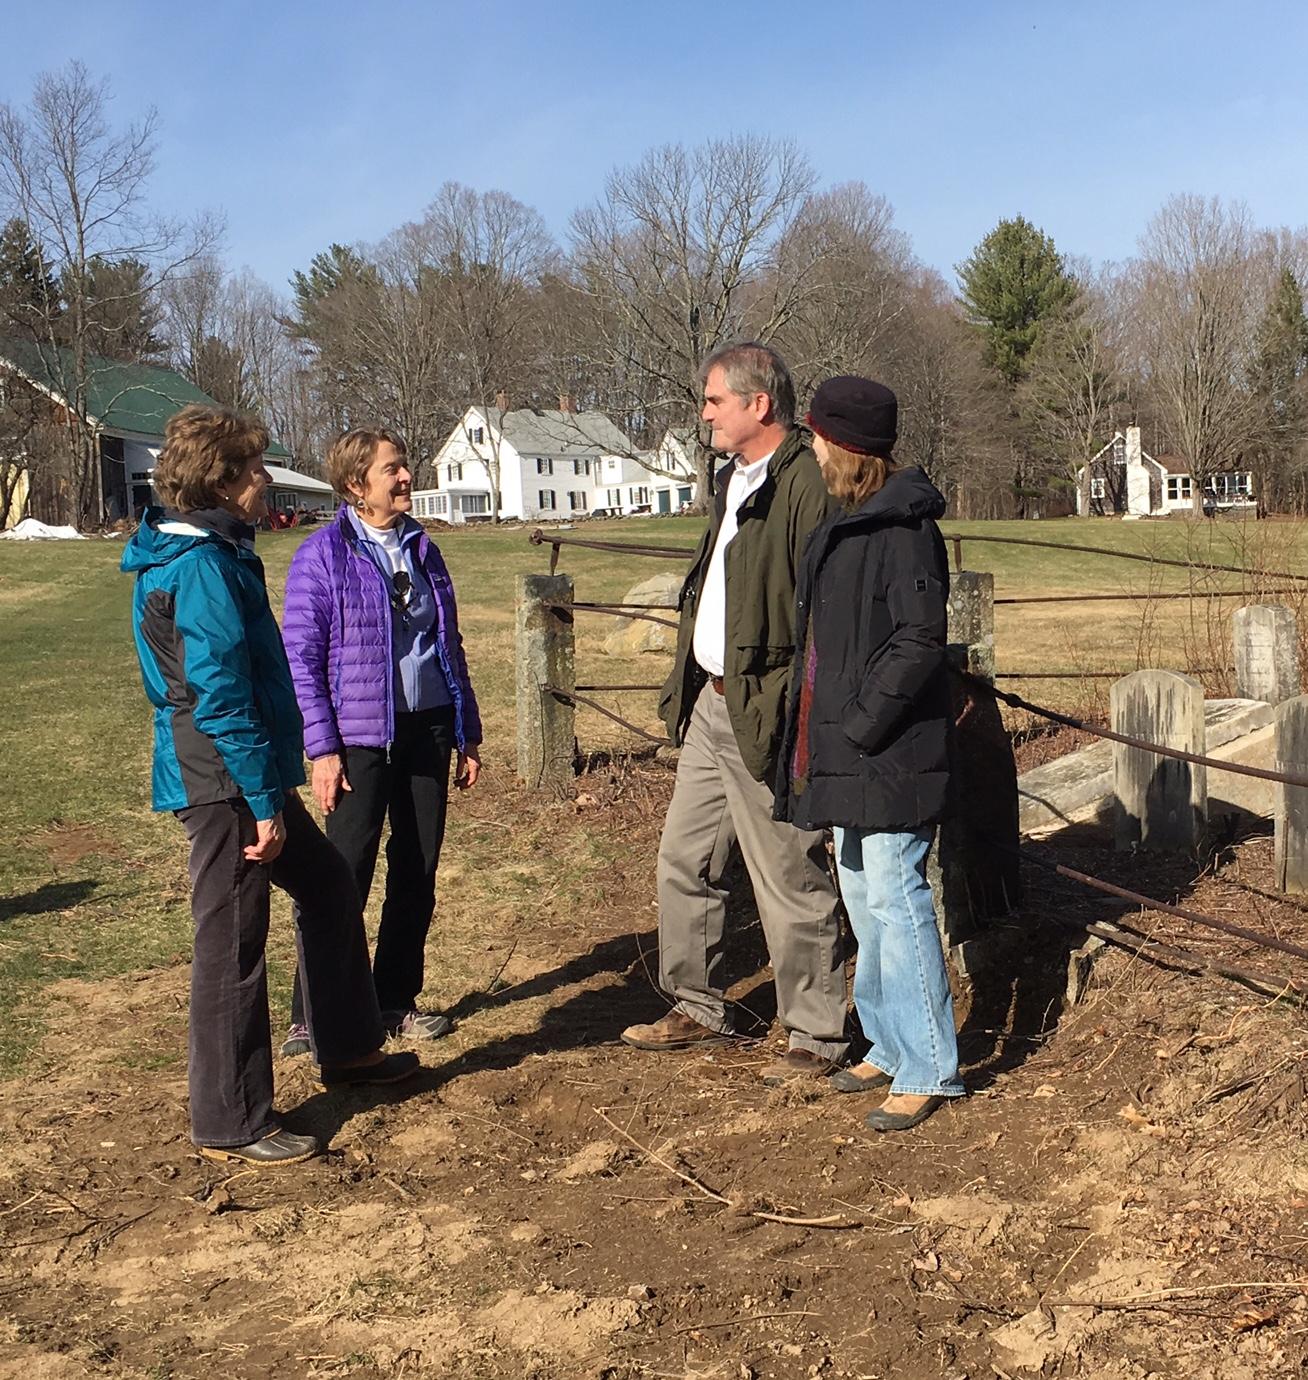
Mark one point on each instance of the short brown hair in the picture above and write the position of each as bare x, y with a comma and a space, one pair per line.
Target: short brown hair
205, 447
854, 478
749, 367
353, 451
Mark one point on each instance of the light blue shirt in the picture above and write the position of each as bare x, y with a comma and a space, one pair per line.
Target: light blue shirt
419, 677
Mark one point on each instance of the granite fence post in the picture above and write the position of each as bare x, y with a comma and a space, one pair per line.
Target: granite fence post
544, 655
1292, 801
974, 869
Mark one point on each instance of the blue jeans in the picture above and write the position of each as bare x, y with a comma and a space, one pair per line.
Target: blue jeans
901, 989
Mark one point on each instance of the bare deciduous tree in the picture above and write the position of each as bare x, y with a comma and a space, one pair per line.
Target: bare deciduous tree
1074, 391
849, 273
1199, 288
489, 255
681, 255
79, 186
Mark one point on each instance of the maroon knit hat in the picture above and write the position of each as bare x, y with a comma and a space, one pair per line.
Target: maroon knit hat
855, 414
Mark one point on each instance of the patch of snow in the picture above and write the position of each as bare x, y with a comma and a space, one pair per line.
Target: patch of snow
32, 530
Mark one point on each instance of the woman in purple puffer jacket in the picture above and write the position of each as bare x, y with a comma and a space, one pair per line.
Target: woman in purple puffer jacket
372, 635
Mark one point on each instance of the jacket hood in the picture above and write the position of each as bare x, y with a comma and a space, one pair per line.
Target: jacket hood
906, 496
165, 534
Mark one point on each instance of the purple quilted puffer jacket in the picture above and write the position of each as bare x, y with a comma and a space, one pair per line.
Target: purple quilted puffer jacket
337, 630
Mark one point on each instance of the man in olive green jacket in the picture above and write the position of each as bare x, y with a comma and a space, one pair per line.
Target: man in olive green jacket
724, 704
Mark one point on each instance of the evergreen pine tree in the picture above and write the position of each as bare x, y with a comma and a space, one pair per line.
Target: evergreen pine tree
1279, 378
29, 293
1013, 283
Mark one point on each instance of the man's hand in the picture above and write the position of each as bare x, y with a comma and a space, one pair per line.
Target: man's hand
329, 781
272, 835
467, 768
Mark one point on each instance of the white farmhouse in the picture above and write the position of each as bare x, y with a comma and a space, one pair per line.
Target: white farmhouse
551, 464
1124, 478
674, 481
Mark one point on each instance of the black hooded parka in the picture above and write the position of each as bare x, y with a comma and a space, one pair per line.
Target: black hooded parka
865, 743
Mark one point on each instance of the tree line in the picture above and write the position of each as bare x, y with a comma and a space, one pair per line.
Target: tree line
1009, 379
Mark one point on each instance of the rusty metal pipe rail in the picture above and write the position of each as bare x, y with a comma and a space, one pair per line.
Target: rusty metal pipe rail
575, 698
617, 610
1098, 675
1171, 594
1099, 731
1185, 958
665, 553
1195, 917
958, 538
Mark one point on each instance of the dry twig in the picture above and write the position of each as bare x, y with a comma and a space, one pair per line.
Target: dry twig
835, 1222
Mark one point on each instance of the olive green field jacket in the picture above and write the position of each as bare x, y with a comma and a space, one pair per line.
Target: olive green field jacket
762, 564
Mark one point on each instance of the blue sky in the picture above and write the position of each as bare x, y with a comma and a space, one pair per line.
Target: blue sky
305, 123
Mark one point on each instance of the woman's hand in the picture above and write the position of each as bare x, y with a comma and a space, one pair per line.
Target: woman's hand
467, 768
272, 835
328, 781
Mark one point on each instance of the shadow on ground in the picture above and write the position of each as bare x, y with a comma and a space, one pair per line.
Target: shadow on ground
52, 896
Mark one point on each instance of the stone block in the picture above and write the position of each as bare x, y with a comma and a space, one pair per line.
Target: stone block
1265, 640
1161, 803
1078, 788
631, 636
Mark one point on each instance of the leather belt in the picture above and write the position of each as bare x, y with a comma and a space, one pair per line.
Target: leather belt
716, 683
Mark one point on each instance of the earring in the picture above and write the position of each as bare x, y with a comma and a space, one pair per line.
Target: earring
360, 504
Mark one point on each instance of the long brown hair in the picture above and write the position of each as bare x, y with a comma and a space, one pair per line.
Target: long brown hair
854, 478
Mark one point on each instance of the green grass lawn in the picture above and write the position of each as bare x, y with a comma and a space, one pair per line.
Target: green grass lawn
92, 883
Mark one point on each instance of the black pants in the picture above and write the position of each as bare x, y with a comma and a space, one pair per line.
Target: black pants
411, 784
230, 1071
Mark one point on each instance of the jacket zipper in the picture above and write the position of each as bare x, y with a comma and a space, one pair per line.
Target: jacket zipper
390, 642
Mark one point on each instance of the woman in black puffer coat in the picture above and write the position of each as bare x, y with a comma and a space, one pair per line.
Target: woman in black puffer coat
865, 750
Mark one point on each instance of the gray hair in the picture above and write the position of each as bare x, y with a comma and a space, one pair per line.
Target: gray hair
749, 367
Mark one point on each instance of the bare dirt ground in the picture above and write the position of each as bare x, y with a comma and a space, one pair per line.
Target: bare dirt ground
1124, 1193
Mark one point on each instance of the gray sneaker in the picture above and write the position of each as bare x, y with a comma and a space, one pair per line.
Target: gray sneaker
416, 1025
296, 1042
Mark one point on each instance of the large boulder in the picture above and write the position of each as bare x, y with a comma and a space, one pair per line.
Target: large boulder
633, 635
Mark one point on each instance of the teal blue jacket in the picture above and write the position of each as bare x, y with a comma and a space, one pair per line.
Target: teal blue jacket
226, 723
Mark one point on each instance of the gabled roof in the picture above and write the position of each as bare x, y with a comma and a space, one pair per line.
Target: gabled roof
533, 431
138, 398
1173, 463
1117, 436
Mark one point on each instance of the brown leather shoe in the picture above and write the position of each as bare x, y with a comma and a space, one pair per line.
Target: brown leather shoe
676, 1030
797, 1063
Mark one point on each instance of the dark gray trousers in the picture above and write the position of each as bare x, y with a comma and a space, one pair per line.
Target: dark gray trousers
231, 1081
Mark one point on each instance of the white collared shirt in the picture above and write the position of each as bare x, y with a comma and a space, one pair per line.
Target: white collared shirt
710, 640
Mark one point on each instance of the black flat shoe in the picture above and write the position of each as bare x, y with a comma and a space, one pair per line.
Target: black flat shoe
392, 1068
847, 1081
277, 1148
881, 1120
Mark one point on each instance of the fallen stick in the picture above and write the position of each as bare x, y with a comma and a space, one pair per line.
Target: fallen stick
834, 1223
1196, 1292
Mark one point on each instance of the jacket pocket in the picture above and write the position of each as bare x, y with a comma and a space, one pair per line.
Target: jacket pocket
759, 660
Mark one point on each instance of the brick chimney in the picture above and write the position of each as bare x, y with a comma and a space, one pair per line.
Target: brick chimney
567, 403
502, 400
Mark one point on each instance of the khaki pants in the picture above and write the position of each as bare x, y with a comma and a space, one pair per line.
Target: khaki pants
717, 802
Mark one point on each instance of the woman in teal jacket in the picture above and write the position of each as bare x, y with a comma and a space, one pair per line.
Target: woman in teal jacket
228, 757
